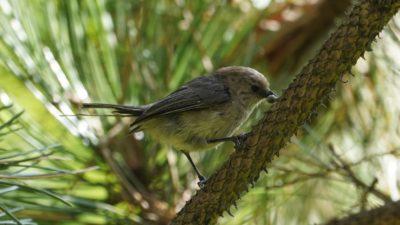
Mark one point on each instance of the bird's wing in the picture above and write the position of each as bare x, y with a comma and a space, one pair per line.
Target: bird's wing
200, 93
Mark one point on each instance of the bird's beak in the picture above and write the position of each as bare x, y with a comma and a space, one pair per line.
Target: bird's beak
271, 96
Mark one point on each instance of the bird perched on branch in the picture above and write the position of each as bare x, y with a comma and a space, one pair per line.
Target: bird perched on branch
202, 113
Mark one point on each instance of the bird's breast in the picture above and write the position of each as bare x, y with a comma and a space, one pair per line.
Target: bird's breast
190, 130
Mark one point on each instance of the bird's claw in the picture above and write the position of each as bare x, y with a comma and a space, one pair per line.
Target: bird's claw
202, 182
239, 140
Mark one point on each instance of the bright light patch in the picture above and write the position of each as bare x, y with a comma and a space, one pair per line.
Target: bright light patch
207, 63
261, 4
228, 35
362, 66
271, 25
56, 68
139, 135
107, 21
5, 6
19, 30
81, 92
5, 99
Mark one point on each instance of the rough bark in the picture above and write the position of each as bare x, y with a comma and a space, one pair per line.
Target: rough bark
305, 94
388, 214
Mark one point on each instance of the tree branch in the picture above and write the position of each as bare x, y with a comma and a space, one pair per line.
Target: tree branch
387, 214
305, 94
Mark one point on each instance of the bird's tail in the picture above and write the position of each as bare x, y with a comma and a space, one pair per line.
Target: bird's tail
119, 109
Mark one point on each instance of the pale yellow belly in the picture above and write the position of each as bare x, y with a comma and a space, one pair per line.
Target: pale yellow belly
189, 131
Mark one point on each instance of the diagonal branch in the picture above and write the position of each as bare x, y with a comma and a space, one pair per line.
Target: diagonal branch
305, 94
387, 214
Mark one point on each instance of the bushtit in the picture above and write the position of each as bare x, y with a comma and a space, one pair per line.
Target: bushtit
203, 112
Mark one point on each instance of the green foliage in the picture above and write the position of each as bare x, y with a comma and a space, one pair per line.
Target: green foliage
29, 179
55, 55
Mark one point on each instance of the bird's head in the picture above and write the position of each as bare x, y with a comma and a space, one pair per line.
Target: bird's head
247, 84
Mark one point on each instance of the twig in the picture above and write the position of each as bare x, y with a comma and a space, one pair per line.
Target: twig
341, 164
49, 175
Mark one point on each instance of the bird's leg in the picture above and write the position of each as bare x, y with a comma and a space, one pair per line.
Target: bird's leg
202, 179
237, 140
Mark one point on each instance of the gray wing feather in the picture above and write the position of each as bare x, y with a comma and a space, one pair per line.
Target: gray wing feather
200, 93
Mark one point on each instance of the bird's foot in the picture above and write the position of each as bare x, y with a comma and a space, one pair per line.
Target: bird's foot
202, 182
238, 140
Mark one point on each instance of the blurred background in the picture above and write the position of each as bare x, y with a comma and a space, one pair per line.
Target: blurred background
56, 168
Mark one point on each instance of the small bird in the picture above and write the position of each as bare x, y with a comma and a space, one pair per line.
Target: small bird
202, 113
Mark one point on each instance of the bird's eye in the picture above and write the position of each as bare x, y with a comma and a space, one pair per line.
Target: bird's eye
255, 88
